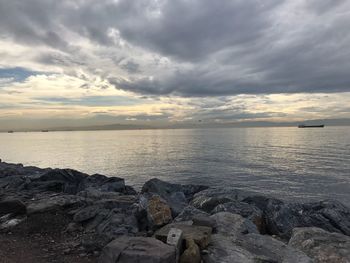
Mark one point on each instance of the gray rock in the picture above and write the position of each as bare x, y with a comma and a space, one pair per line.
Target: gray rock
246, 210
188, 213
233, 225
98, 195
55, 203
268, 249
175, 195
251, 248
93, 241
321, 245
329, 215
59, 180
86, 213
9, 169
162, 188
222, 249
208, 199
73, 227
260, 201
14, 207
103, 183
204, 220
118, 223
137, 250
6, 222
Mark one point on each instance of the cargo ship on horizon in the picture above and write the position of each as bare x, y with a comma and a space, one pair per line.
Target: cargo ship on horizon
311, 126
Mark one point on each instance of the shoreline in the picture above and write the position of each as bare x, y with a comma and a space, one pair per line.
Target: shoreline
62, 215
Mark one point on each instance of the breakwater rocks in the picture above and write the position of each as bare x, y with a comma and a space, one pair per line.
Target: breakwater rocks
94, 218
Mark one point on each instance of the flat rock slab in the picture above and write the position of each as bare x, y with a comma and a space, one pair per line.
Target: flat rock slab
188, 213
200, 234
53, 203
322, 245
232, 225
266, 248
252, 248
223, 250
137, 250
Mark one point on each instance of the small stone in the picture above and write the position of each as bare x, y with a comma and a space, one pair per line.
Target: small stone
175, 239
200, 234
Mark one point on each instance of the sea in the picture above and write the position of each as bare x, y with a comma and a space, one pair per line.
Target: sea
288, 163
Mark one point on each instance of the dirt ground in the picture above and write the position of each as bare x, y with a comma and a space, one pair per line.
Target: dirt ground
43, 239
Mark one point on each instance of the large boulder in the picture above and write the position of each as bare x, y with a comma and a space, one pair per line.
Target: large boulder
137, 250
200, 234
208, 199
222, 249
321, 245
246, 210
58, 180
175, 195
105, 184
109, 218
251, 248
9, 169
118, 223
259, 201
188, 213
329, 215
58, 202
162, 188
232, 225
267, 249
153, 212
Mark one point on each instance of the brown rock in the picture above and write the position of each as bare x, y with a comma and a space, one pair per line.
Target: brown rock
191, 254
158, 211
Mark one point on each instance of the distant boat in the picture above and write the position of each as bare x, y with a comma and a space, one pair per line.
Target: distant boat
44, 130
311, 126
10, 132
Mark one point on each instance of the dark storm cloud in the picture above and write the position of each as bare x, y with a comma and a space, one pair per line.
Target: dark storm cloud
228, 47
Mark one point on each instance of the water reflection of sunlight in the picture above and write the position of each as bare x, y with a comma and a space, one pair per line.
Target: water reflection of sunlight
300, 162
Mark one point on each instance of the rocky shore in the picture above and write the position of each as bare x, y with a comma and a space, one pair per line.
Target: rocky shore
62, 215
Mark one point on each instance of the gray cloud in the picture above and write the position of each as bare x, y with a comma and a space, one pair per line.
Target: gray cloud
213, 48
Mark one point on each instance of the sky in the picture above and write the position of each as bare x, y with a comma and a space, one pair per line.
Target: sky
88, 62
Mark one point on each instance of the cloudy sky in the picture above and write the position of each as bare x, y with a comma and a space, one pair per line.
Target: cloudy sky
173, 61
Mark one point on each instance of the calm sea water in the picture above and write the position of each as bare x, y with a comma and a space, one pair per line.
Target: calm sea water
286, 162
